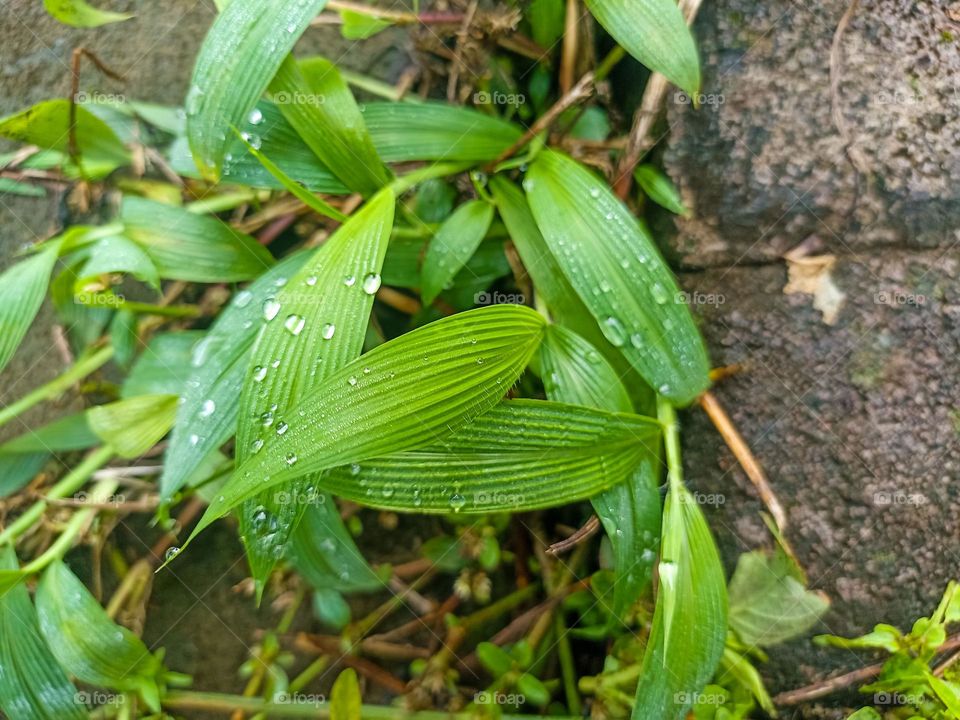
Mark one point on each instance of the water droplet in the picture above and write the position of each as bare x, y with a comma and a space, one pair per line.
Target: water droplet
613, 330
275, 364
388, 491
637, 340
194, 439
267, 418
242, 298
355, 469
371, 283
352, 380
291, 459
255, 117
479, 361
259, 373
664, 389
349, 280
328, 330
294, 324
594, 192
207, 409
660, 294
270, 308
457, 501
256, 446
171, 553
366, 371
311, 281
282, 427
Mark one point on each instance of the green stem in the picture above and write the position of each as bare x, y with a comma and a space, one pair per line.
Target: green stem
176, 311
374, 87
226, 201
567, 669
609, 63
222, 703
83, 367
71, 482
309, 673
405, 182
671, 440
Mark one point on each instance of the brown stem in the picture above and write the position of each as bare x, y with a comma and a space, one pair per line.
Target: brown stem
588, 530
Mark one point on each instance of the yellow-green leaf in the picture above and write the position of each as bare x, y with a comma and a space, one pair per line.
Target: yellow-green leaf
79, 13
133, 425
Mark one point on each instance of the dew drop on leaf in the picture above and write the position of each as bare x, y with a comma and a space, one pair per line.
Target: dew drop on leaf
171, 553
270, 308
255, 117
614, 332
328, 330
371, 283
259, 373
294, 324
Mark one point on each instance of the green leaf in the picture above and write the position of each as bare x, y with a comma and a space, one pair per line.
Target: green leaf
948, 692
656, 34
619, 275
164, 365
79, 13
455, 241
47, 124
318, 104
402, 394
408, 131
533, 690
345, 700
659, 188
883, 637
22, 289
315, 325
217, 371
574, 372
33, 686
187, 246
546, 19
866, 713
690, 621
87, 643
521, 455
360, 26
768, 605
115, 254
15, 187
133, 425
737, 666
494, 658
241, 53
565, 306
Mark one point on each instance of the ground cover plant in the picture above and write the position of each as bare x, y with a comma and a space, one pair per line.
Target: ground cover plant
309, 301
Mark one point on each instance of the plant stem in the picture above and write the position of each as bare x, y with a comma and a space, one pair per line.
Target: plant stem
671, 440
226, 201
375, 87
83, 367
405, 182
72, 482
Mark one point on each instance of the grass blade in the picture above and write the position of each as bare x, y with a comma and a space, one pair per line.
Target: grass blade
453, 245
133, 425
22, 289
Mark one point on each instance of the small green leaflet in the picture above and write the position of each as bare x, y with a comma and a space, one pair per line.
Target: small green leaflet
240, 55
768, 602
345, 700
656, 34
133, 425
92, 647
115, 254
315, 324
455, 241
187, 246
659, 188
46, 125
207, 416
616, 270
360, 26
33, 686
81, 14
318, 104
521, 455
573, 371
22, 289
866, 713
401, 395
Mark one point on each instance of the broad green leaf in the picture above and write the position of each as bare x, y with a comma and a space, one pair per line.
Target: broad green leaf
81, 14
883, 637
436, 131
401, 395
115, 254
318, 104
216, 374
323, 551
546, 19
315, 324
241, 53
690, 621
455, 241
164, 365
22, 289
521, 455
768, 605
574, 372
345, 700
659, 188
619, 275
33, 686
46, 125
738, 667
292, 186
133, 425
187, 246
360, 26
87, 643
656, 34
948, 692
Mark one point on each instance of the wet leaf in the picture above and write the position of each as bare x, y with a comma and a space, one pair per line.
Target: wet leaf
133, 425
453, 245
659, 188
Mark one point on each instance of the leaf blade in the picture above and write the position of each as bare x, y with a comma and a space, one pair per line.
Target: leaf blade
452, 245
22, 289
